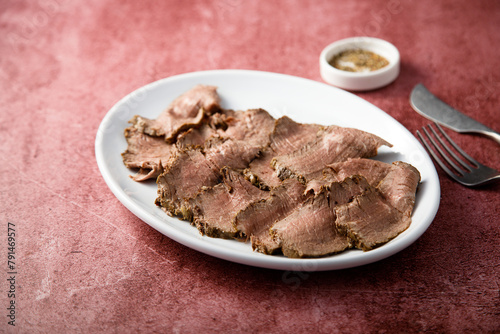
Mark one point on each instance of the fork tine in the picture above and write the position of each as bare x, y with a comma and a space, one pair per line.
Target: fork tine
439, 148
465, 155
448, 150
472, 175
433, 154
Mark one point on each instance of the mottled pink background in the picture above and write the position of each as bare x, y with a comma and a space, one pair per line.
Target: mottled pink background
88, 265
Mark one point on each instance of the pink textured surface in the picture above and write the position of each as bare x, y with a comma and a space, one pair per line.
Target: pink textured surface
86, 264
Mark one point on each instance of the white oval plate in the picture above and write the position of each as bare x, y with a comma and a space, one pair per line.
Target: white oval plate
301, 99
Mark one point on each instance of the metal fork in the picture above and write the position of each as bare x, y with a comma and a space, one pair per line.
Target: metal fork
475, 174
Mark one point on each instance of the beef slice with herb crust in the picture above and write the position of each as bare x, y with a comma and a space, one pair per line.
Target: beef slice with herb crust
214, 209
335, 144
383, 212
369, 220
310, 230
186, 111
256, 219
192, 169
184, 176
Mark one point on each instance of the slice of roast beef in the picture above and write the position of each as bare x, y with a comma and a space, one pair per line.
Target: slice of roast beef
192, 169
372, 170
369, 220
214, 209
287, 136
195, 136
185, 175
256, 219
336, 144
237, 154
399, 186
252, 126
343, 192
309, 231
185, 112
146, 153
260, 172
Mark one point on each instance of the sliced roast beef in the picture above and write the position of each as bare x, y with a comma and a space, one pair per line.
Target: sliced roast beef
345, 191
260, 171
399, 186
336, 144
214, 209
184, 176
146, 153
195, 168
256, 219
309, 231
236, 154
305, 189
252, 126
287, 136
372, 170
195, 136
369, 220
185, 112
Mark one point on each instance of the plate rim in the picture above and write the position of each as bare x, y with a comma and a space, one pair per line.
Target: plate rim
254, 258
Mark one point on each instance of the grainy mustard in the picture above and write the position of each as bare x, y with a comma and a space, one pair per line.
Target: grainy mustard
358, 60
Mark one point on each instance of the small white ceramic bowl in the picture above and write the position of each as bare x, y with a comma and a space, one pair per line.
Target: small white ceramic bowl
359, 81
